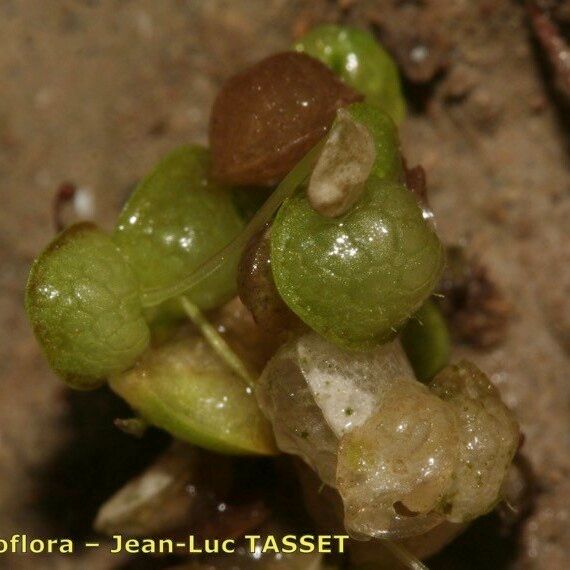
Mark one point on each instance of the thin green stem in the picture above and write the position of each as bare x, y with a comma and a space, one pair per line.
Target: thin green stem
404, 555
290, 183
217, 342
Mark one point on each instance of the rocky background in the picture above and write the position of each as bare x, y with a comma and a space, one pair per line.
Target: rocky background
95, 91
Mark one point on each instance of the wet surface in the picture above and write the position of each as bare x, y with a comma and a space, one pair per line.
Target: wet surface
94, 92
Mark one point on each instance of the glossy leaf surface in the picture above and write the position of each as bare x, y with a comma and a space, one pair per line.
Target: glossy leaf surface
83, 302
357, 58
357, 278
426, 341
187, 390
175, 220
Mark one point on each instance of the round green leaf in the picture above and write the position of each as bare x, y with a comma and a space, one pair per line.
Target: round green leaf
175, 220
357, 278
357, 58
185, 389
83, 302
426, 340
388, 163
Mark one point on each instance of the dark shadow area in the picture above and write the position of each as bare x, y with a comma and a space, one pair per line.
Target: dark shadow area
483, 546
94, 462
492, 541
418, 95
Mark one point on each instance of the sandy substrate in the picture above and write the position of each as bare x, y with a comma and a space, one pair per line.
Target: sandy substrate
96, 91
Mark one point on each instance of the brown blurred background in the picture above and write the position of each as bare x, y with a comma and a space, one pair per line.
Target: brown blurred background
95, 91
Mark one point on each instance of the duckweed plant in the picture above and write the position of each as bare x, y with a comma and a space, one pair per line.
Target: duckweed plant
339, 264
